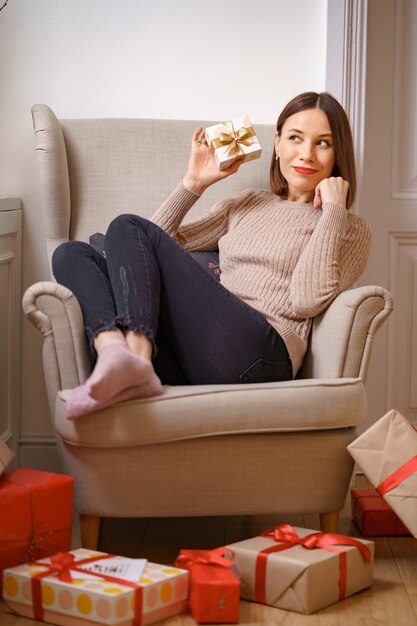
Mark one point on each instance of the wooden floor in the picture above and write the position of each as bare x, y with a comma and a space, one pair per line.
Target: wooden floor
391, 601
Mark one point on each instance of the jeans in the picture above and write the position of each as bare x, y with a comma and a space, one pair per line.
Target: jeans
201, 332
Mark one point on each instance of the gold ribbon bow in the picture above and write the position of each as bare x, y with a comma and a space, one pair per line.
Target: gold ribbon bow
234, 140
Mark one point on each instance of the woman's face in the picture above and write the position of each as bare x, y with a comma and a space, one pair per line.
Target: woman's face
306, 152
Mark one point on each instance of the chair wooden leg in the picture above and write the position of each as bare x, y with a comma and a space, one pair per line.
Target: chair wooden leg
329, 522
90, 528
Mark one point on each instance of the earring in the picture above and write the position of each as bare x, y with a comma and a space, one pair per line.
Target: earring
276, 157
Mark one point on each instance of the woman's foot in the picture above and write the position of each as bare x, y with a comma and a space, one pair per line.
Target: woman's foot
117, 369
81, 402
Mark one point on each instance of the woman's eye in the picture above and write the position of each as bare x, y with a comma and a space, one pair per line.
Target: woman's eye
324, 142
294, 138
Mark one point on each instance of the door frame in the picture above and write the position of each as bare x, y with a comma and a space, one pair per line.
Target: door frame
346, 70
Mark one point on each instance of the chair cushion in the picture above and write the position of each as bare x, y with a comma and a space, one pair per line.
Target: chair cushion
195, 411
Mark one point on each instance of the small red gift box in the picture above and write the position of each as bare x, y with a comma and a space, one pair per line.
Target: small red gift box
35, 516
214, 593
374, 516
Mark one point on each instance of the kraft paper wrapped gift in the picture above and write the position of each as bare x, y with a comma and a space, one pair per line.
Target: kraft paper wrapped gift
373, 516
35, 515
232, 140
214, 594
6, 455
301, 570
387, 453
56, 590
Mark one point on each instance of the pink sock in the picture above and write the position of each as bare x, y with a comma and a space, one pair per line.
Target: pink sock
118, 368
81, 402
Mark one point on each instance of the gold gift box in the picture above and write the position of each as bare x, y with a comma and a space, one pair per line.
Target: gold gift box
233, 140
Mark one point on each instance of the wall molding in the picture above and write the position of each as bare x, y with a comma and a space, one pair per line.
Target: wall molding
10, 307
402, 332
8, 426
347, 22
404, 139
39, 452
34, 441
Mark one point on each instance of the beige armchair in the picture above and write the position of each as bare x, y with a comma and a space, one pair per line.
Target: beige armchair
195, 450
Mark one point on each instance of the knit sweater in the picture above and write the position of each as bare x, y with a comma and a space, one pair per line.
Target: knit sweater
286, 259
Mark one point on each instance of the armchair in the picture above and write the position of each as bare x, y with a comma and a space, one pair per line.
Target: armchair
195, 450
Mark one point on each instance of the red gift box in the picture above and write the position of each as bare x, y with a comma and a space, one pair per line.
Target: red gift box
374, 516
35, 516
214, 593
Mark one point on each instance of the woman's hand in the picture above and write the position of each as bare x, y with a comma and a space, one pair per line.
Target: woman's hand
331, 190
202, 168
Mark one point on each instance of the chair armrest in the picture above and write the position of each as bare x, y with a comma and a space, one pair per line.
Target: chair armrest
342, 337
54, 311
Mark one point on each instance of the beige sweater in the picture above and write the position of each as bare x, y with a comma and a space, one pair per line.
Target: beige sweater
285, 259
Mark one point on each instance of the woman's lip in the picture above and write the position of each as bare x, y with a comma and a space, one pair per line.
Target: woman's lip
304, 170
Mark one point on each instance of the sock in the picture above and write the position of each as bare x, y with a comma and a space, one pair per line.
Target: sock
118, 368
81, 402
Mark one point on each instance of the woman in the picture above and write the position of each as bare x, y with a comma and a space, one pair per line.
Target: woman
153, 314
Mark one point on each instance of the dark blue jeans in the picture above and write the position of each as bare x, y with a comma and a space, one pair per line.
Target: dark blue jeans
201, 332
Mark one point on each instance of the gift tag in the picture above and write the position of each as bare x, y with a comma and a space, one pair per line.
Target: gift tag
126, 569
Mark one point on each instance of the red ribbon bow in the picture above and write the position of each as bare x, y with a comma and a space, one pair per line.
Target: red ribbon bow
188, 558
61, 565
287, 537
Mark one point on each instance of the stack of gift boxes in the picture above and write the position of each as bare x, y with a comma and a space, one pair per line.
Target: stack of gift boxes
387, 453
290, 568
35, 513
294, 569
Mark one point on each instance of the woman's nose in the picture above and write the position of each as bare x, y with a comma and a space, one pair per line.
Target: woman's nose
307, 151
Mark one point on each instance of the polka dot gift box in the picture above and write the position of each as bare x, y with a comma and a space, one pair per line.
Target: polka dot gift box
58, 591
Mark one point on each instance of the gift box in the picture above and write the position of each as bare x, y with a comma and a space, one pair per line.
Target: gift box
6, 455
300, 570
232, 140
387, 453
373, 516
57, 590
35, 515
214, 593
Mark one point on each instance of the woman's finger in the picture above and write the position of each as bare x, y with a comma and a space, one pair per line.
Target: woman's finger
196, 134
317, 198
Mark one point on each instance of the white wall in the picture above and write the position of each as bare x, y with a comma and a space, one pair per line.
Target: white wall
138, 58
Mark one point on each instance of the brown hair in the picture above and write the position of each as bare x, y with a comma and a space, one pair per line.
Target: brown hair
342, 140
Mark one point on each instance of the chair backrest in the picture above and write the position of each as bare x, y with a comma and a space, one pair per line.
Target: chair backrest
94, 169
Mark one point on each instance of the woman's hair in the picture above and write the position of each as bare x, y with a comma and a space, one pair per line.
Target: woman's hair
342, 140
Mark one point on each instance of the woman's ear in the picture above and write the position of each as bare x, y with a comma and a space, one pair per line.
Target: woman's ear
277, 144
